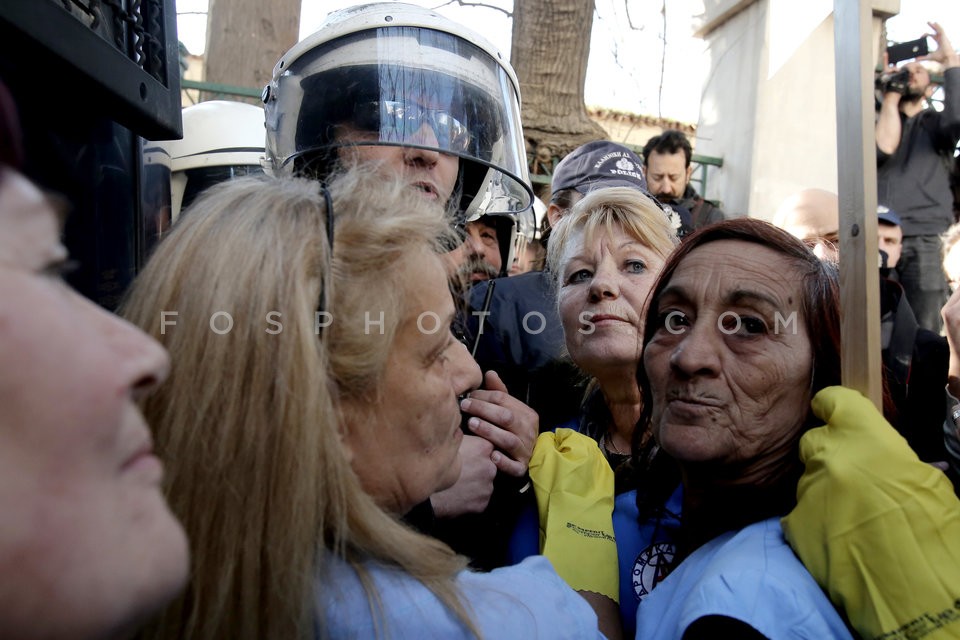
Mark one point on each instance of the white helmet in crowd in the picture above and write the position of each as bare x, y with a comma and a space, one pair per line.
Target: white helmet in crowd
221, 140
387, 69
528, 231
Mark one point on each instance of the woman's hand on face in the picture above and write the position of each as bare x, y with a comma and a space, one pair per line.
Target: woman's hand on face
506, 422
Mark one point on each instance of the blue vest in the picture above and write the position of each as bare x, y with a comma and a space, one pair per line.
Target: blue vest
644, 550
750, 575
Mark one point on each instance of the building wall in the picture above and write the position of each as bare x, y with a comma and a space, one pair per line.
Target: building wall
768, 106
726, 128
194, 71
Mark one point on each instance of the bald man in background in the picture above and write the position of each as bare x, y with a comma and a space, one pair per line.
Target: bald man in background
909, 351
813, 216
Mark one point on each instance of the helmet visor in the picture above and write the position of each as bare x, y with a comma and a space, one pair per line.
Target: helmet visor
404, 86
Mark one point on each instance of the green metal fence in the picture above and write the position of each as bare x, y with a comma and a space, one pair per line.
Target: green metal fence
219, 90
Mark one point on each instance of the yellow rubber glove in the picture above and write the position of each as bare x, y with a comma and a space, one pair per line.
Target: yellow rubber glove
877, 528
574, 488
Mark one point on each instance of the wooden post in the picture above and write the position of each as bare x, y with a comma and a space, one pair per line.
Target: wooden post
857, 186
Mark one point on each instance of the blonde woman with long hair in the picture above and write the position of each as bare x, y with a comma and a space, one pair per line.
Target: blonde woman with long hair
312, 401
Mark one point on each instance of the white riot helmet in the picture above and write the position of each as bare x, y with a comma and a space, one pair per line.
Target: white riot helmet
526, 231
221, 140
387, 69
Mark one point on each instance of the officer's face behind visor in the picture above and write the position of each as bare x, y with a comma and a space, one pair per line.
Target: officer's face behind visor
410, 87
406, 138
403, 121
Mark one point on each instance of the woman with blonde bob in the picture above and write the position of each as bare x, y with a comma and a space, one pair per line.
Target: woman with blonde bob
606, 254
299, 437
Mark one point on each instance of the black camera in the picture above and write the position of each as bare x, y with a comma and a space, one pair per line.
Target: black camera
898, 82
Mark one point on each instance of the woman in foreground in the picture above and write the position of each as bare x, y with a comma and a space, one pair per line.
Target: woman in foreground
742, 330
88, 547
299, 437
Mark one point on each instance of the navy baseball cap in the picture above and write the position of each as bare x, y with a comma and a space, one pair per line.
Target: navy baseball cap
597, 165
888, 215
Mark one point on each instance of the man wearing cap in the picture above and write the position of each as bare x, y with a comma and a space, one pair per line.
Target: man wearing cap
889, 239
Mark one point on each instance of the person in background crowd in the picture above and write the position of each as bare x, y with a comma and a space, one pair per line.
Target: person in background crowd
89, 547
605, 254
517, 331
914, 359
955, 186
951, 255
293, 471
532, 254
221, 140
479, 256
667, 164
889, 239
813, 217
951, 426
914, 147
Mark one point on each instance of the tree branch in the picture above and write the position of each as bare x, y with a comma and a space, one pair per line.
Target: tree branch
663, 63
466, 3
626, 8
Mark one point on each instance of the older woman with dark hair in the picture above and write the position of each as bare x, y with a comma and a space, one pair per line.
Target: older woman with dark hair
741, 331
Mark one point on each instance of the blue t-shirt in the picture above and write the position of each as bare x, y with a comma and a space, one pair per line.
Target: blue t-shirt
644, 550
750, 575
528, 600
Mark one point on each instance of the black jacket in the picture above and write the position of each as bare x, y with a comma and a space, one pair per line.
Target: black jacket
914, 180
530, 357
915, 371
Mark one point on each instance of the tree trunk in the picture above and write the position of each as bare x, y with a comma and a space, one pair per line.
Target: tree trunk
245, 38
550, 46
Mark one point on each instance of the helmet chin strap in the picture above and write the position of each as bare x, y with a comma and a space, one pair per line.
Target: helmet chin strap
456, 208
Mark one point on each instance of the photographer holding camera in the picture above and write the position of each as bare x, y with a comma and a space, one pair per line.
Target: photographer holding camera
915, 145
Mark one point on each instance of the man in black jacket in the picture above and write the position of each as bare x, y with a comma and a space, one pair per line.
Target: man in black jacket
667, 164
915, 145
